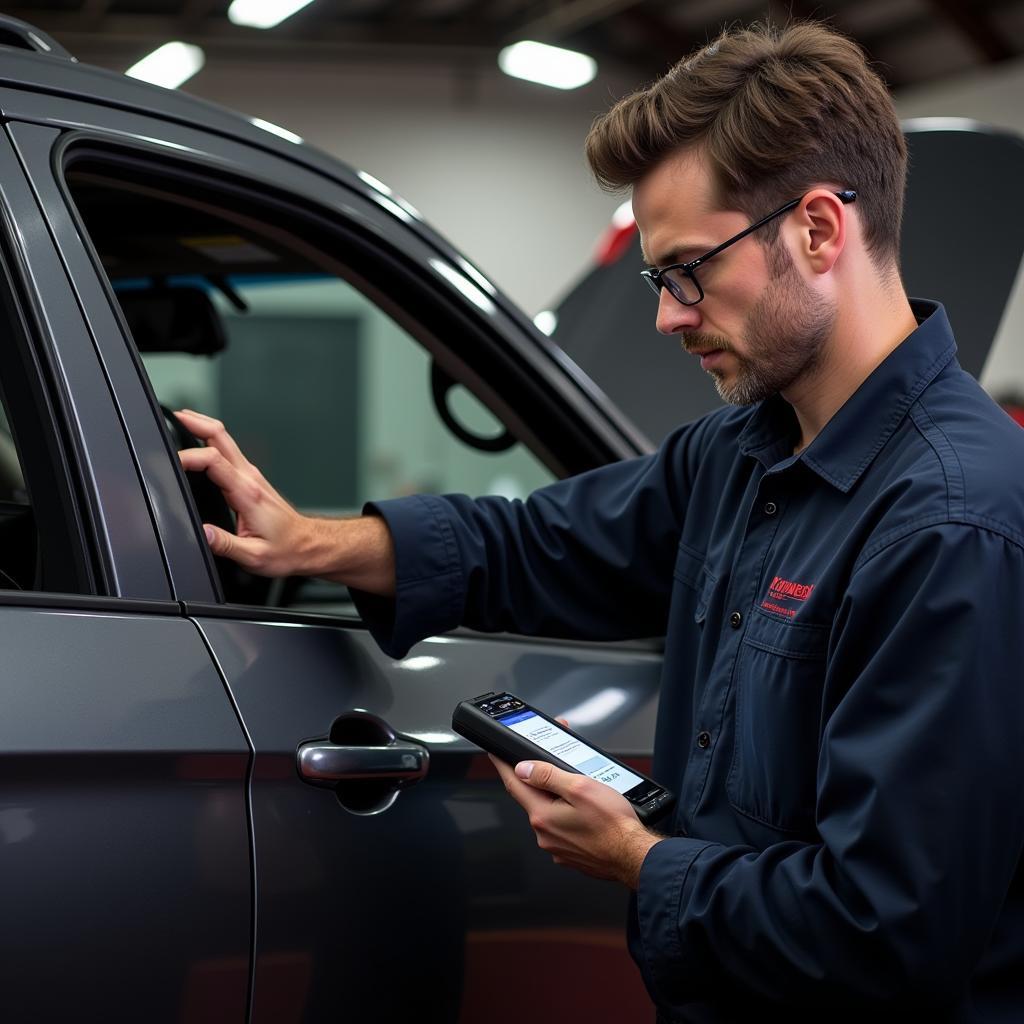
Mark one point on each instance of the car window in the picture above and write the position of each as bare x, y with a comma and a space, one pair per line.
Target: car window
18, 535
332, 399
335, 401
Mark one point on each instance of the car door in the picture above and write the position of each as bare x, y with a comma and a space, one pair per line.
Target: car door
123, 828
404, 880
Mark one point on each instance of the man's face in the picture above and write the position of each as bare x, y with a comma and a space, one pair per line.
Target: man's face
760, 328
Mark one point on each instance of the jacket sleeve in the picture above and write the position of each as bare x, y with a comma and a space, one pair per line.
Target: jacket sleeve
589, 557
920, 802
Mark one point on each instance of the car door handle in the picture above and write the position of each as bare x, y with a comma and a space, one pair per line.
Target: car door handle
401, 761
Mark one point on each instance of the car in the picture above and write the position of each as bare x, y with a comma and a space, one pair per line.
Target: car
220, 801
962, 243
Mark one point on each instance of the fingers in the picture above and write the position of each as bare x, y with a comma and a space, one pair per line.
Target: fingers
213, 433
238, 490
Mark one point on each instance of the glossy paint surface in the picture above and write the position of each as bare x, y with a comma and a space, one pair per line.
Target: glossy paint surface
450, 876
123, 833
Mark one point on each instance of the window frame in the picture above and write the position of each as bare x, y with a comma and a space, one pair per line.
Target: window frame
427, 311
37, 412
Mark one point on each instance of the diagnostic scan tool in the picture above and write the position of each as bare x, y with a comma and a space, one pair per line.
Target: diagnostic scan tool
512, 730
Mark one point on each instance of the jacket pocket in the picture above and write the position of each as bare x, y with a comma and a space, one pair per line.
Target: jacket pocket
692, 571
780, 676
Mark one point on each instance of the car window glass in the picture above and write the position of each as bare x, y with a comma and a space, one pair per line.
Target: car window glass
322, 389
18, 539
332, 399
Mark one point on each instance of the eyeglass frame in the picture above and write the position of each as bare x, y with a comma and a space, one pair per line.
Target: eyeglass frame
654, 276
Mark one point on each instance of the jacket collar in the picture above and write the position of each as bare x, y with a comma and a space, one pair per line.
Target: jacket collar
849, 442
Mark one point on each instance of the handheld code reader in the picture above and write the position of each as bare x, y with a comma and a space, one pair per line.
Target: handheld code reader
514, 731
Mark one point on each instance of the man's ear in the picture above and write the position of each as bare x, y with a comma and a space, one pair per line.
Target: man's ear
821, 225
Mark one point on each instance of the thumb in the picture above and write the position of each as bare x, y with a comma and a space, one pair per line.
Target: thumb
227, 545
542, 775
217, 538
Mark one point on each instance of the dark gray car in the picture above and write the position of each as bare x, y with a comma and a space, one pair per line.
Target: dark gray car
218, 800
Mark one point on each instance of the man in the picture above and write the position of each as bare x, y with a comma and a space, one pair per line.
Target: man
836, 561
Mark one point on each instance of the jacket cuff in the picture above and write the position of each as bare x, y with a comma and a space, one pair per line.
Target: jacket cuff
429, 584
658, 950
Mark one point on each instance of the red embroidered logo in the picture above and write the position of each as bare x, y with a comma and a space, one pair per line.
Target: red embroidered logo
786, 590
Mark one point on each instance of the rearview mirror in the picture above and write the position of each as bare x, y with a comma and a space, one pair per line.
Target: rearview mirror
173, 320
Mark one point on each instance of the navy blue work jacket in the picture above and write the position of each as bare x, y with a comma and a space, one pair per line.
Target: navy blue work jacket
842, 709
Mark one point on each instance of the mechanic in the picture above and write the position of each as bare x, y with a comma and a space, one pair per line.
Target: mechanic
835, 558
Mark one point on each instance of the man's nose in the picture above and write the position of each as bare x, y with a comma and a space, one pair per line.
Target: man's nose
673, 316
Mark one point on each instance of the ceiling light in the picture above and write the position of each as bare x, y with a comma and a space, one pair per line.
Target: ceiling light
547, 65
169, 65
263, 13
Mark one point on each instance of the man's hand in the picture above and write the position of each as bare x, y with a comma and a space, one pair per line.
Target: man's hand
272, 536
580, 821
274, 539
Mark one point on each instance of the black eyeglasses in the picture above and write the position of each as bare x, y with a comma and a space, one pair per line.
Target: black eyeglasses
679, 278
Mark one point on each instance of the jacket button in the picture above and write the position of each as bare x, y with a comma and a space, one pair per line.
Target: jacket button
735, 620
770, 508
703, 740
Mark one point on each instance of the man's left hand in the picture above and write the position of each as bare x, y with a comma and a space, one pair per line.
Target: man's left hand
581, 822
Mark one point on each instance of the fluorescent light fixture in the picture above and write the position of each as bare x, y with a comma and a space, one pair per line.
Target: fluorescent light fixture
276, 129
546, 321
263, 13
169, 65
547, 65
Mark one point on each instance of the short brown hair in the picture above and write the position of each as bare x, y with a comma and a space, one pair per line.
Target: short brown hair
775, 110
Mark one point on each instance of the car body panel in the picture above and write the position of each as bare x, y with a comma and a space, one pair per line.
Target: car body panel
123, 822
348, 901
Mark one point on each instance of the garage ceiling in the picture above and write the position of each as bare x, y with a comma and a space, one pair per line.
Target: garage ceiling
911, 41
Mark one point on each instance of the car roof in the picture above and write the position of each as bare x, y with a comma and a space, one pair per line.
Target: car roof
34, 61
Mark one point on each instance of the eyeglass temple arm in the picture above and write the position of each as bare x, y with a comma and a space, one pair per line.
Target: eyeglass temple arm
846, 196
